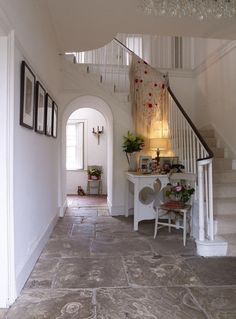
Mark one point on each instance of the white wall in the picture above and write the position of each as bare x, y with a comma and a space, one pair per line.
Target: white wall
35, 188
216, 89
203, 48
96, 154
78, 89
35, 160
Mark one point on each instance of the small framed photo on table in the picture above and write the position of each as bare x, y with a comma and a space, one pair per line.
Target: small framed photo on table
27, 96
145, 164
48, 115
40, 102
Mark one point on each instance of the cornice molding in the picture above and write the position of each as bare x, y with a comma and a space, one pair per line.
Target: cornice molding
214, 57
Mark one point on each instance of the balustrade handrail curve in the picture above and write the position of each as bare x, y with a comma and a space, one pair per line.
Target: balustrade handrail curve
203, 142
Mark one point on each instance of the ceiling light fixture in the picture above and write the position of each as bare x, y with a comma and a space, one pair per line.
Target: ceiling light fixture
201, 9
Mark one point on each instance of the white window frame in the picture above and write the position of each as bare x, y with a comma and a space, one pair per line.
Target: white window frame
79, 146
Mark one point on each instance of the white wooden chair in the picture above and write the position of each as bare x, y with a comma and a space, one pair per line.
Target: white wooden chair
94, 183
173, 214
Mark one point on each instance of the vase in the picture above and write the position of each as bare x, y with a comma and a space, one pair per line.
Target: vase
132, 162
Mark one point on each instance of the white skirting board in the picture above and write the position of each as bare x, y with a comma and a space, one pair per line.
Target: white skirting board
25, 271
115, 210
210, 248
62, 209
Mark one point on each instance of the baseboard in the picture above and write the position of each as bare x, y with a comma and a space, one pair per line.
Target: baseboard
117, 210
62, 209
211, 248
25, 271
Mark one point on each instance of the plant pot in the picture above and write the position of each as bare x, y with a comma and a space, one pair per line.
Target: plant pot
132, 162
94, 177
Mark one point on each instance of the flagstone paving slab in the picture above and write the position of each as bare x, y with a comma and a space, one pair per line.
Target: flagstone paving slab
144, 303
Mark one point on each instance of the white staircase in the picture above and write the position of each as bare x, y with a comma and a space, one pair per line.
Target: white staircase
192, 150
224, 192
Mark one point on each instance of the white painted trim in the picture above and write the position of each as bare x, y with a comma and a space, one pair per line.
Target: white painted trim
214, 57
208, 248
62, 209
24, 272
117, 210
7, 250
101, 106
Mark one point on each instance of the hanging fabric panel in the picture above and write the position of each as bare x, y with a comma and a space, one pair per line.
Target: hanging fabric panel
148, 96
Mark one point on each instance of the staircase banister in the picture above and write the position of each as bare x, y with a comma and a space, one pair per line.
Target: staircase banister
123, 46
207, 148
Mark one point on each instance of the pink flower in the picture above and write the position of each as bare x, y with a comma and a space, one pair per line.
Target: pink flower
178, 188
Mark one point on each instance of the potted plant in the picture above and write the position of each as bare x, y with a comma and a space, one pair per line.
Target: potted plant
94, 173
131, 144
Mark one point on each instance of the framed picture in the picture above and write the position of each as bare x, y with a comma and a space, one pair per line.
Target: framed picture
145, 164
48, 115
54, 120
40, 108
27, 96
167, 162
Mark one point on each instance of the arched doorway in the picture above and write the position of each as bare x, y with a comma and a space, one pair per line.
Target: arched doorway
85, 148
95, 103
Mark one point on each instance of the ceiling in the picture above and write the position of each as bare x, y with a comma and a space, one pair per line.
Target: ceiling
87, 24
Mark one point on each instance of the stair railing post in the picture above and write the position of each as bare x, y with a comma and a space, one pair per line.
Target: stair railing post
211, 219
201, 202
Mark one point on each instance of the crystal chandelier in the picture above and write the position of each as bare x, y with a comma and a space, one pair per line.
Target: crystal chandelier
201, 9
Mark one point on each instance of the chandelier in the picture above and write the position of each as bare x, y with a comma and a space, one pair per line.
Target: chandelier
201, 9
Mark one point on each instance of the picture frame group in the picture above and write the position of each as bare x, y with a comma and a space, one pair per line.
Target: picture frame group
38, 110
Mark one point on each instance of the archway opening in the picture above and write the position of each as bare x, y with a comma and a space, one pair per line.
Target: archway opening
94, 114
86, 147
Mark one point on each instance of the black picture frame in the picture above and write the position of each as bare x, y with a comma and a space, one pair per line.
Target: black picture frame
54, 120
48, 115
27, 96
40, 102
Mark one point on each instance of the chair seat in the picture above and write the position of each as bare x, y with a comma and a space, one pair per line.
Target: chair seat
175, 206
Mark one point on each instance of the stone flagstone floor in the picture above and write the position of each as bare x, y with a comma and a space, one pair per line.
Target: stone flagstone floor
96, 267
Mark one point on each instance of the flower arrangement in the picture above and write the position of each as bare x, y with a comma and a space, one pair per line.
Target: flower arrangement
180, 192
95, 172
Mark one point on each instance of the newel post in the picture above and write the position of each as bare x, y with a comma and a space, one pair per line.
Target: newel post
201, 202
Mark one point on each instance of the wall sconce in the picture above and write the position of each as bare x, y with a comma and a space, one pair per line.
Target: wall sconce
98, 132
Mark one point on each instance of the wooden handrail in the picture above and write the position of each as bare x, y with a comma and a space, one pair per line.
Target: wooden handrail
207, 148
209, 151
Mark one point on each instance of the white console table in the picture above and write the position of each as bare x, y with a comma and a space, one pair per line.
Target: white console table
135, 183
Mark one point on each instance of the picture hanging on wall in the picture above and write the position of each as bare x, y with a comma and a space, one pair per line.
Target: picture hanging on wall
48, 115
54, 120
27, 99
40, 108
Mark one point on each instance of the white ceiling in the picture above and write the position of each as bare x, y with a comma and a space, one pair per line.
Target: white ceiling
88, 24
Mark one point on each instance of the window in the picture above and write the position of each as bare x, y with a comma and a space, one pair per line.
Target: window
135, 44
177, 52
75, 146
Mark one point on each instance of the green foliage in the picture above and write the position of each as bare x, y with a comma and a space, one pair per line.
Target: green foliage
132, 143
95, 172
180, 192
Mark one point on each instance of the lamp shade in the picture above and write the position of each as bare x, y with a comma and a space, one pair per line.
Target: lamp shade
160, 143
